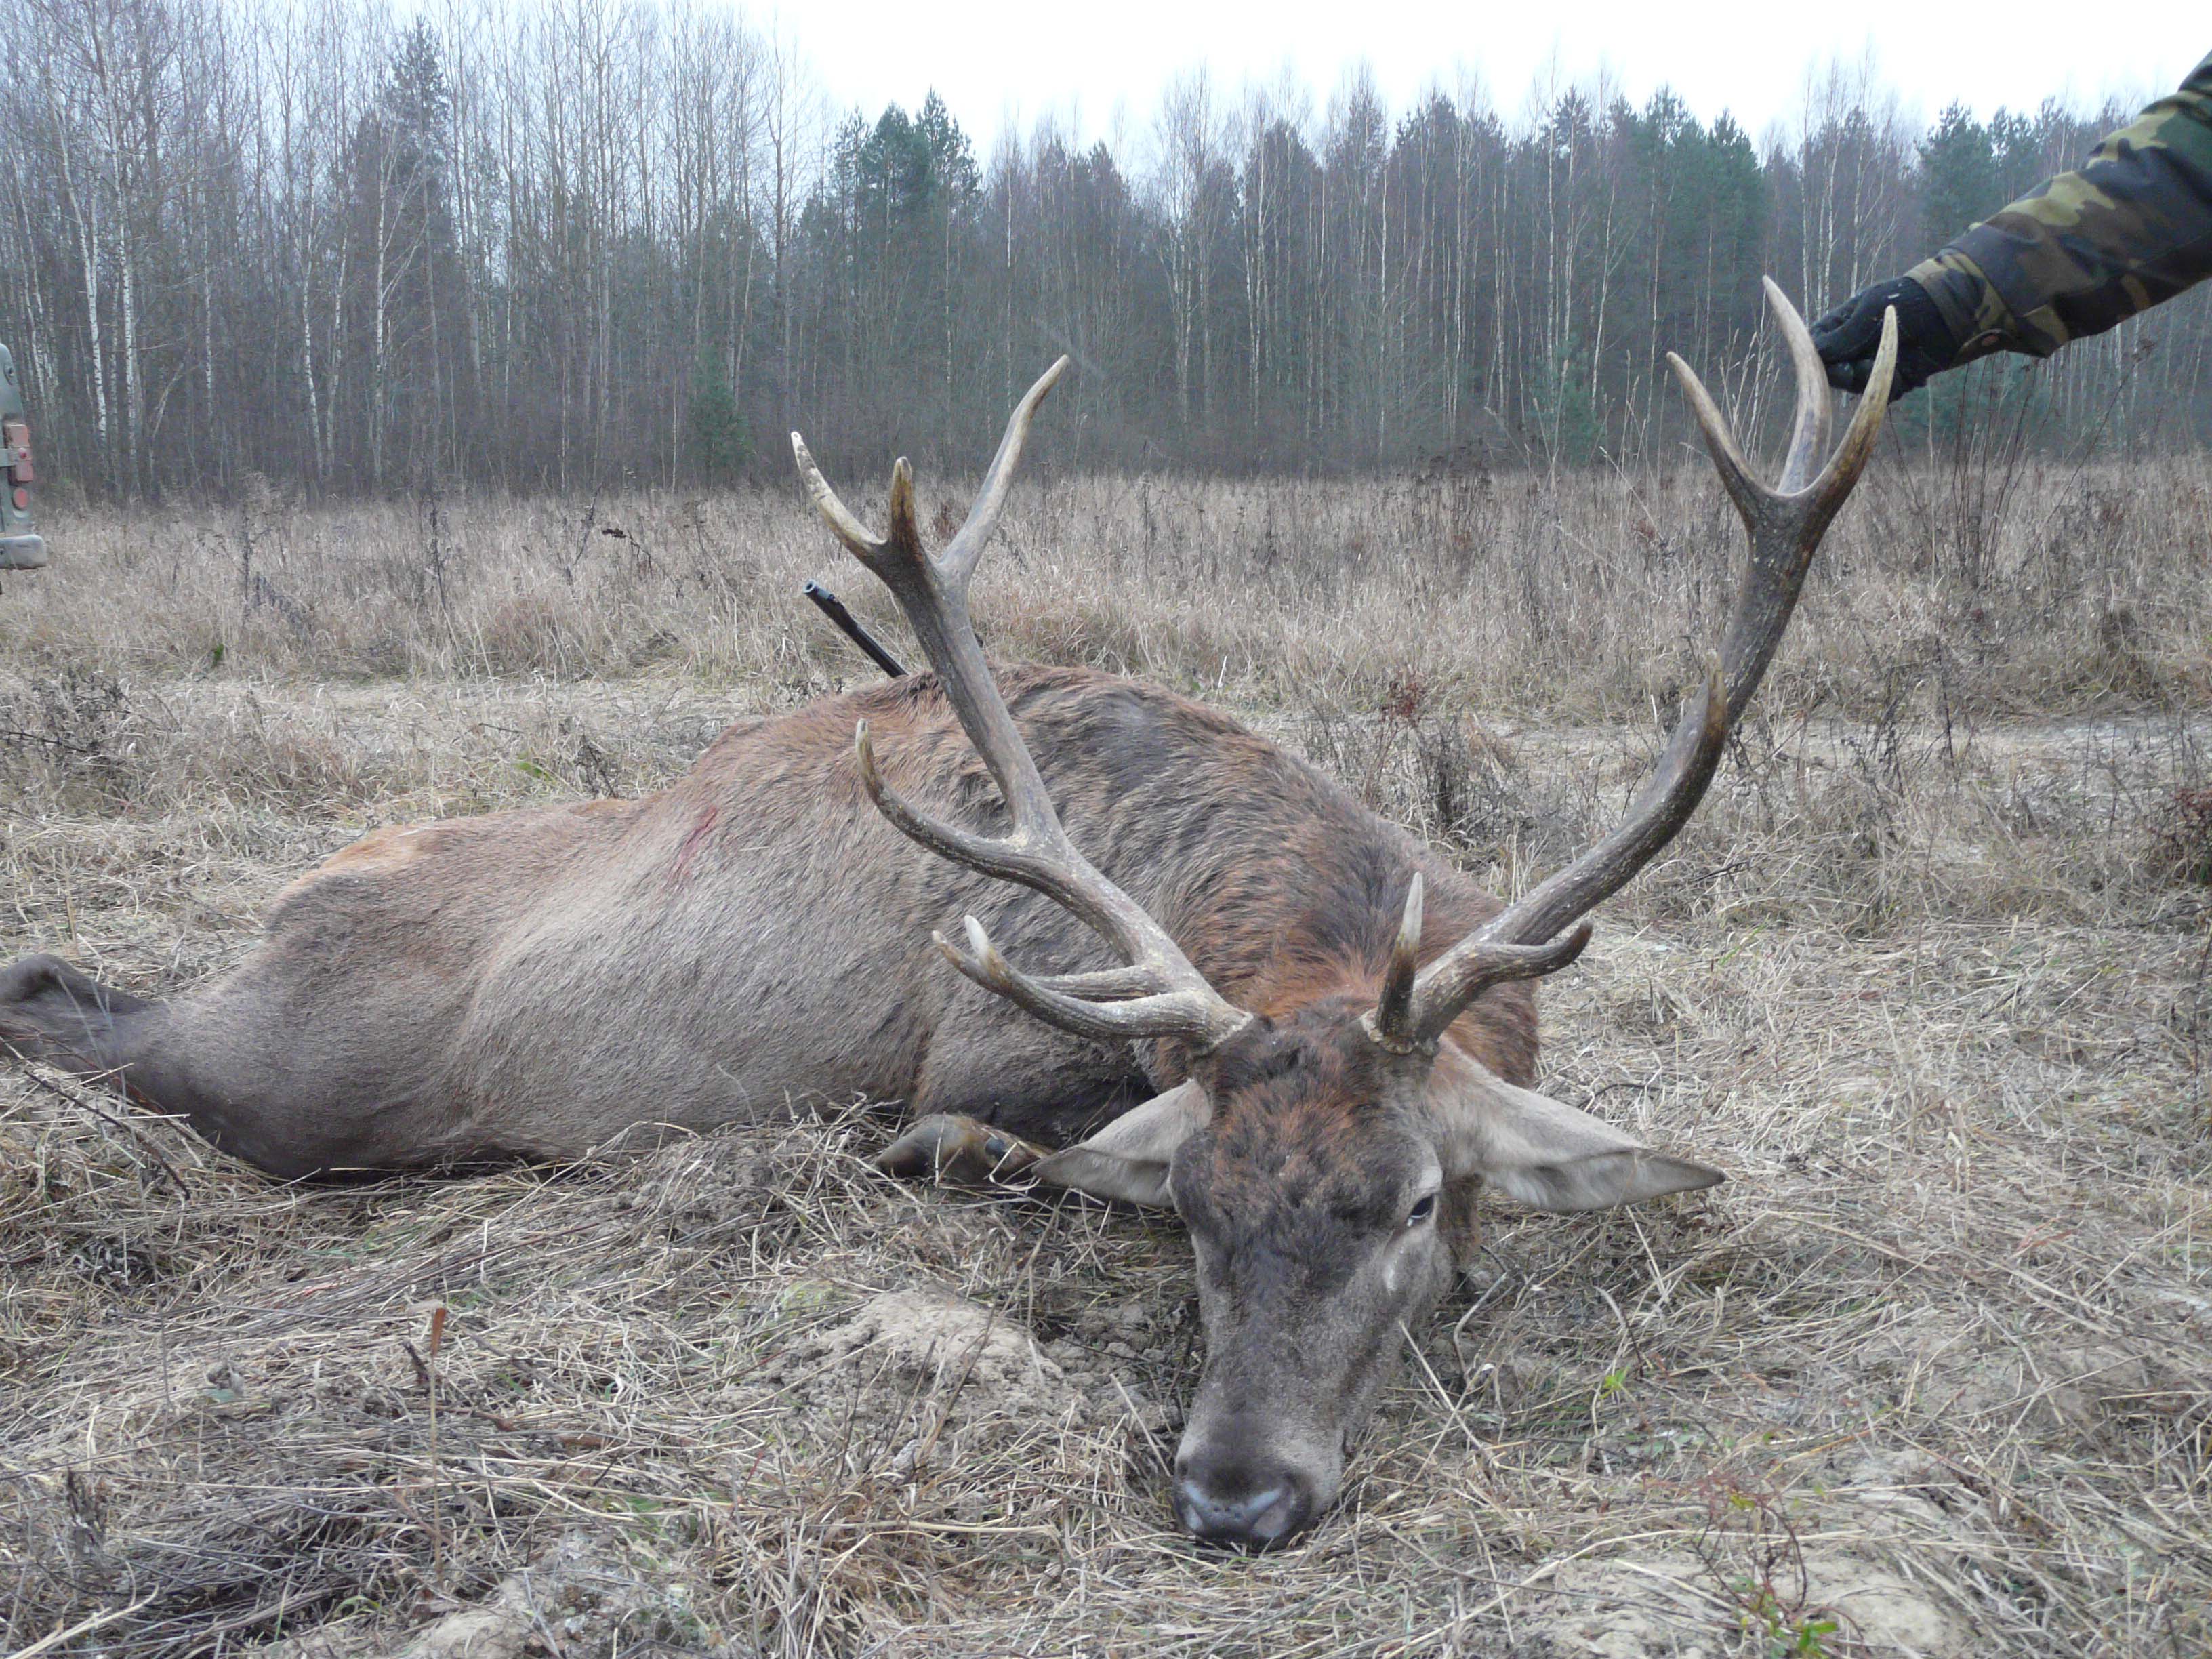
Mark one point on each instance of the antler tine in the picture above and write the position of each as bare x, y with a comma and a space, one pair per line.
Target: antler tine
1157, 992
1786, 531
1025, 858
1851, 458
1394, 1010
1746, 491
905, 537
1810, 430
1190, 1013
863, 543
1785, 526
1396, 1021
960, 553
1467, 970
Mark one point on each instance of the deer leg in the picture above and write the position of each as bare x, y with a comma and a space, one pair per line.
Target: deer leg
49, 1010
162, 1056
952, 1147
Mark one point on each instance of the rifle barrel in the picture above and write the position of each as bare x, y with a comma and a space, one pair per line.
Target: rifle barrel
834, 607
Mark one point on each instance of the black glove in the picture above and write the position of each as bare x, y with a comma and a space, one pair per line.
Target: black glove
1848, 337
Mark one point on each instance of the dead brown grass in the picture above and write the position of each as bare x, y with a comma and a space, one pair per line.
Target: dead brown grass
1580, 598
1927, 1375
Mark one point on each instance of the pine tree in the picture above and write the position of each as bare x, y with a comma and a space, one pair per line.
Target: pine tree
1958, 174
714, 428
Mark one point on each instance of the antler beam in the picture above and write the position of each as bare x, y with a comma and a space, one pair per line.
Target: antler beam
1157, 993
1786, 525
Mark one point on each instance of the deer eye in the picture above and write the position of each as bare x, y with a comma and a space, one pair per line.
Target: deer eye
1424, 1208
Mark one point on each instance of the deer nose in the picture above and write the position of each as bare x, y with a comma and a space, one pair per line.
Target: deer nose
1246, 1509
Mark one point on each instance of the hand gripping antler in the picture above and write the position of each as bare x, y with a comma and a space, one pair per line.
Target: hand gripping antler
1785, 526
1157, 994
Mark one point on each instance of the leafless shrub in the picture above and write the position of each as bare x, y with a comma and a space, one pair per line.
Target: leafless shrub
2182, 833
1448, 776
63, 735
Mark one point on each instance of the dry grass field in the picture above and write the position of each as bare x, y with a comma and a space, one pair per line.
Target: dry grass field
1930, 976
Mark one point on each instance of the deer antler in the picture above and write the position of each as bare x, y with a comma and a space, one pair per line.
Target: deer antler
1157, 994
1786, 525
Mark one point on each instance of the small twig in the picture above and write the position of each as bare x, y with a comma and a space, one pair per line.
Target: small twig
1136, 1416
83, 1626
430, 1370
51, 743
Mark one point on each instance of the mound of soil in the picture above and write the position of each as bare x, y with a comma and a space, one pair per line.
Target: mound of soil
920, 1372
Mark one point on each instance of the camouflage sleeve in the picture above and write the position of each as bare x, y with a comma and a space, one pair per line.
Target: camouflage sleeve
2086, 251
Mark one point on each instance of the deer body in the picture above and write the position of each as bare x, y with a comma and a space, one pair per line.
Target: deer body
755, 937
1190, 963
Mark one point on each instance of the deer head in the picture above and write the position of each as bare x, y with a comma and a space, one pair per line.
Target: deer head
1320, 1154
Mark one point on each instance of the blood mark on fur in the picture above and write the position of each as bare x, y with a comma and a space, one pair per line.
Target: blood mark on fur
694, 838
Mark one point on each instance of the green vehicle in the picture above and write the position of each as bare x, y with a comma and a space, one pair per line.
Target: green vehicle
21, 546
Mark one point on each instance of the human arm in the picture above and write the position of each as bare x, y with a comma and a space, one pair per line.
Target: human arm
2079, 254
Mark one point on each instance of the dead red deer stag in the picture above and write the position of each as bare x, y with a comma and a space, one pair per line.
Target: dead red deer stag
1263, 1005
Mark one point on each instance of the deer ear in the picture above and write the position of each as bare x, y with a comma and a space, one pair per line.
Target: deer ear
1129, 1158
1548, 1155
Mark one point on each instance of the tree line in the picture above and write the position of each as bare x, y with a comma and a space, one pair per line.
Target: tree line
578, 244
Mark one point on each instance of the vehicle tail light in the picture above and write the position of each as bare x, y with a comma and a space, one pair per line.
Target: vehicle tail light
16, 438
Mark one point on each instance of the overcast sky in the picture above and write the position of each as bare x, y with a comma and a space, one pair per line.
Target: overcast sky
999, 63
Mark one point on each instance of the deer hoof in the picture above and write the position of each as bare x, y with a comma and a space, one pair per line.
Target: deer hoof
945, 1146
